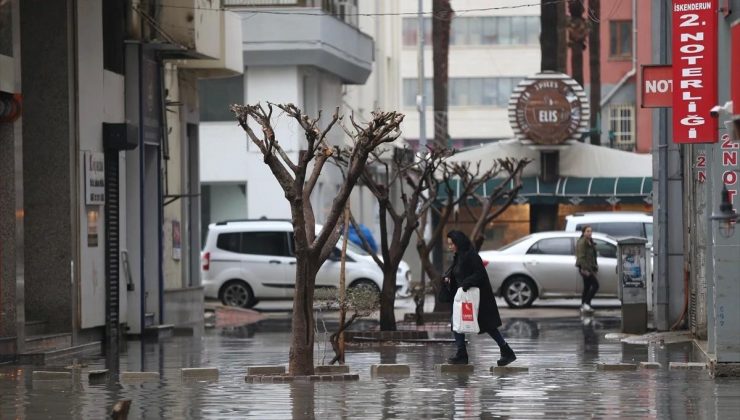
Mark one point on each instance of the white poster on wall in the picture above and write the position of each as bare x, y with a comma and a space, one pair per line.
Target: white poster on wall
94, 178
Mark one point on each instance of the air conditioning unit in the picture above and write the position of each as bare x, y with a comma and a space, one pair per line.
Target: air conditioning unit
230, 58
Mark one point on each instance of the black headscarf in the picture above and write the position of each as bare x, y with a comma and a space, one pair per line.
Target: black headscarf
461, 241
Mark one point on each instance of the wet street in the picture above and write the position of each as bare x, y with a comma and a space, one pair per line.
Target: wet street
560, 351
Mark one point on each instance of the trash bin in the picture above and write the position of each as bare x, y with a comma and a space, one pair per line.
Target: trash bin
632, 275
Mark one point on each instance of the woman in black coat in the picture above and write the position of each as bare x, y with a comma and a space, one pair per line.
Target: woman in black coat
467, 271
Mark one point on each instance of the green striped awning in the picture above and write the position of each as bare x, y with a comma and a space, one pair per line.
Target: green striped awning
575, 190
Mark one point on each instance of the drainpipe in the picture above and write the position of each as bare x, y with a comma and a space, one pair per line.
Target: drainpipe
133, 19
633, 71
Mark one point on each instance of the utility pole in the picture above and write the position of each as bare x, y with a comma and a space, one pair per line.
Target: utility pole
420, 100
421, 106
594, 62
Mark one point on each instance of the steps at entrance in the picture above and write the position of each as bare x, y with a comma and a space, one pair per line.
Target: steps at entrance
47, 342
40, 358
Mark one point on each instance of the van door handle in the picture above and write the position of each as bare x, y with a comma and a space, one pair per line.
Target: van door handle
292, 263
275, 262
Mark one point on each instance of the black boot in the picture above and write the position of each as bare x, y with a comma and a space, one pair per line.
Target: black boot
460, 358
507, 356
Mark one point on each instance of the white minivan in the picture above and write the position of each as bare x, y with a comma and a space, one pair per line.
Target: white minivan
616, 224
244, 262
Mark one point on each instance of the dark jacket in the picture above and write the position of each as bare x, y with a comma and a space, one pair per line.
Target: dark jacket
468, 271
586, 255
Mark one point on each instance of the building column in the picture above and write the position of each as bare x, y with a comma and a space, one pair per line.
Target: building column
49, 161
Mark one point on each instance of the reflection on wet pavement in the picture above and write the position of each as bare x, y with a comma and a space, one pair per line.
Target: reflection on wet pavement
562, 381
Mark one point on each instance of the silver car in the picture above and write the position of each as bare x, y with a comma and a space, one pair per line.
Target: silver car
543, 265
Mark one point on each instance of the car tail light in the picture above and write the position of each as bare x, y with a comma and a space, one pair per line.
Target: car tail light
206, 261
485, 263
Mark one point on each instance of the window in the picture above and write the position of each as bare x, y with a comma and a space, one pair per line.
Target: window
533, 30
255, 243
620, 39
410, 31
216, 95
265, 243
114, 34
605, 249
490, 91
618, 229
552, 246
229, 242
622, 126
479, 30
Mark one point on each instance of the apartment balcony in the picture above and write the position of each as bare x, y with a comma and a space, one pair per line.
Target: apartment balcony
305, 33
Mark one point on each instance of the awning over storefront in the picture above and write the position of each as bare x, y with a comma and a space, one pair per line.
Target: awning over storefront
589, 174
576, 190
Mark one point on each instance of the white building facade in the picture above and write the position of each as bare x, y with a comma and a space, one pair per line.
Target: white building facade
309, 66
493, 46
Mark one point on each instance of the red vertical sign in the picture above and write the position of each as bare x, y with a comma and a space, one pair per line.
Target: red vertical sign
735, 70
694, 70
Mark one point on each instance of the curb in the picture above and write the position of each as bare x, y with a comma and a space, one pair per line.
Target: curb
138, 377
616, 367
199, 374
509, 369
454, 369
400, 370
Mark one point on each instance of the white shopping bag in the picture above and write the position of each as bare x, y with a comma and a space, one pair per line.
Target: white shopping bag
465, 311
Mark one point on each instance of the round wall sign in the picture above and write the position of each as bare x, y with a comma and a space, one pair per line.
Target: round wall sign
548, 109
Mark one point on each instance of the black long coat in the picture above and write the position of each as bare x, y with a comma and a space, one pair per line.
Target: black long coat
468, 271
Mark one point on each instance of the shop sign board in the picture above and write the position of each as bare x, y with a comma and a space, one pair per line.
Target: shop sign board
657, 86
735, 70
695, 38
548, 109
94, 178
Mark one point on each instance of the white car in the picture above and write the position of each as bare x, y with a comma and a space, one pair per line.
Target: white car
543, 265
244, 262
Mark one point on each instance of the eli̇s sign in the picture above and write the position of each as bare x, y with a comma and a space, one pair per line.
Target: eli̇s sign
694, 70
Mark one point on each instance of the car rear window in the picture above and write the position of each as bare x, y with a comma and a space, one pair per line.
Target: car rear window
552, 246
617, 229
254, 243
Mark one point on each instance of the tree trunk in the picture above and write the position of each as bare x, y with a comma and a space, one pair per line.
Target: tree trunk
577, 31
302, 325
388, 297
442, 17
594, 61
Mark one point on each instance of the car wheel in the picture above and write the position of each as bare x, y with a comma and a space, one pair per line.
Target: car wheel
519, 292
237, 293
366, 285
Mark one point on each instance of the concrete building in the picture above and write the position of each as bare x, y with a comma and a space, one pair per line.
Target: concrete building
99, 208
490, 52
309, 66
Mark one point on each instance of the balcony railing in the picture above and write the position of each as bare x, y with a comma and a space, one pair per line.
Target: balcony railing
345, 10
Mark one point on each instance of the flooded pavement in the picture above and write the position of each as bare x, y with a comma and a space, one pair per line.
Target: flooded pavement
562, 382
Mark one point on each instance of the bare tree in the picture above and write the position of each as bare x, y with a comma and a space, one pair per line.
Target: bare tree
459, 183
312, 248
442, 15
412, 176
